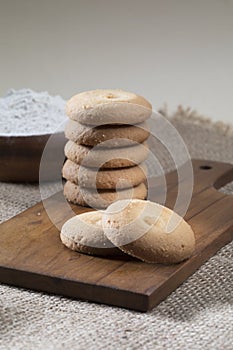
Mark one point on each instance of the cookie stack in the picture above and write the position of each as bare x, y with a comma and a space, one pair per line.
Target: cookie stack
107, 135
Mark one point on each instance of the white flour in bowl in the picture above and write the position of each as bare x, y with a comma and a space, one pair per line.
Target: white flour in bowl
25, 112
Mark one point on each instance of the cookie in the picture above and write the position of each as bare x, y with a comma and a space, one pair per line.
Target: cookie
116, 135
106, 158
104, 178
88, 197
98, 107
83, 233
148, 231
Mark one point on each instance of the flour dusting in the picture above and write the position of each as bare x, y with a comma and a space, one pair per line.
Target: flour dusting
26, 112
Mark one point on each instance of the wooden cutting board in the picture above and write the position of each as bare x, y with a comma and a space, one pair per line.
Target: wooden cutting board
32, 256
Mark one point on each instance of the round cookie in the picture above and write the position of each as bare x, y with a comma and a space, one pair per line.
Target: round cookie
83, 233
102, 199
106, 158
98, 107
148, 231
116, 135
104, 178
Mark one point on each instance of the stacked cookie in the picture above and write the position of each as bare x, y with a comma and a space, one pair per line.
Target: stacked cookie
107, 135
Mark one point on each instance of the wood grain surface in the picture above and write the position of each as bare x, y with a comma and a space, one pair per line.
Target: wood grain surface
32, 255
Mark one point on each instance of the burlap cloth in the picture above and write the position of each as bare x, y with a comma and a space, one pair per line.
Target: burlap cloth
198, 315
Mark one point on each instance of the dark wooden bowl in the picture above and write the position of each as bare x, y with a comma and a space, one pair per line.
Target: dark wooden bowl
20, 157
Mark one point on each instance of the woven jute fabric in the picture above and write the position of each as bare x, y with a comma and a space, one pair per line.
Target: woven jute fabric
198, 315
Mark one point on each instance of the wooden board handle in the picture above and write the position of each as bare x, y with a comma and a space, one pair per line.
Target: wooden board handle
212, 174
207, 174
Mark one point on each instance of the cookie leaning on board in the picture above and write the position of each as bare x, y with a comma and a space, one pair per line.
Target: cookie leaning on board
148, 231
145, 230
